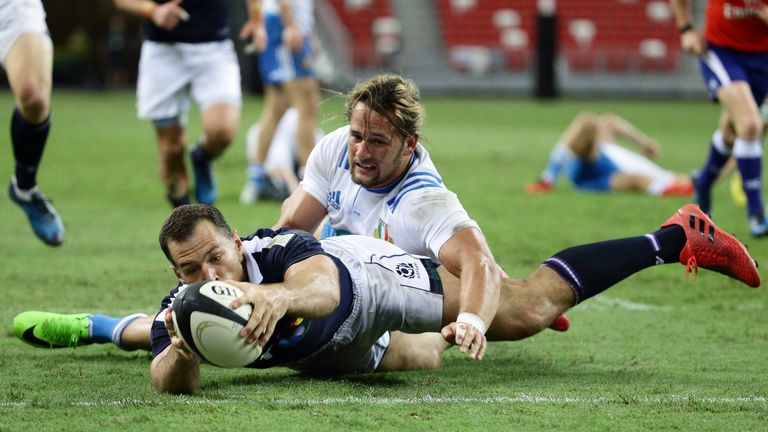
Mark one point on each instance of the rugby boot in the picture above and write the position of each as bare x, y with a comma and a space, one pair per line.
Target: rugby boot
709, 247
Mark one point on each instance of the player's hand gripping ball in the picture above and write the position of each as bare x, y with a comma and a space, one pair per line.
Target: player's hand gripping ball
209, 327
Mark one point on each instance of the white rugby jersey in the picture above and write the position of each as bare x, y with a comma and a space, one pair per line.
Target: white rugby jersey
416, 212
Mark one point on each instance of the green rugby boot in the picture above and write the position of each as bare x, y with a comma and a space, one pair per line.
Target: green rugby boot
52, 330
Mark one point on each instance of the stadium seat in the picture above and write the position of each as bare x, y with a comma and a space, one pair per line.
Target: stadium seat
358, 17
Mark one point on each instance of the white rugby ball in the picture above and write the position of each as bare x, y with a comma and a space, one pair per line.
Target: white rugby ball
209, 327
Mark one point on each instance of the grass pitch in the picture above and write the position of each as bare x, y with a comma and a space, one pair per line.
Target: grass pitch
657, 352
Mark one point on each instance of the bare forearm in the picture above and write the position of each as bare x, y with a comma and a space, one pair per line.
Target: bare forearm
143, 8
254, 10
480, 282
174, 373
315, 292
682, 11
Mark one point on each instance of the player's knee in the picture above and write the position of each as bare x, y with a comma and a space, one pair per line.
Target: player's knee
749, 128
33, 103
220, 137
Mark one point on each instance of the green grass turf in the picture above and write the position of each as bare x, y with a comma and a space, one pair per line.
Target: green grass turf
657, 352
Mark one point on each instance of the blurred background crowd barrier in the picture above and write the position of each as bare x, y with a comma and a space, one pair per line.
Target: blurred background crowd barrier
497, 47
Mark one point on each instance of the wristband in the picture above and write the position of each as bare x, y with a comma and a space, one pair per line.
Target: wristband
686, 28
474, 320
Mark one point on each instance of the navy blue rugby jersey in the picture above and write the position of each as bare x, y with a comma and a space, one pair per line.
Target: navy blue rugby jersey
208, 22
268, 254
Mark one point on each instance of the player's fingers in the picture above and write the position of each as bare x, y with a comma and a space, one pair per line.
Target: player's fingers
448, 334
168, 318
468, 339
264, 338
481, 351
257, 315
477, 346
461, 333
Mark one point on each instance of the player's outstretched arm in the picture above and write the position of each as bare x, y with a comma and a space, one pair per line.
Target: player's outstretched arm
468, 256
301, 211
310, 290
175, 370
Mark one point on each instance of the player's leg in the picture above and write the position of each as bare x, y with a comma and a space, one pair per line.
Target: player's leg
612, 127
304, 95
53, 330
720, 150
576, 142
216, 90
219, 124
171, 145
276, 102
738, 101
413, 351
28, 65
576, 274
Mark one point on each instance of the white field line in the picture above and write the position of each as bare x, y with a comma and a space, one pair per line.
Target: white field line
605, 302
424, 400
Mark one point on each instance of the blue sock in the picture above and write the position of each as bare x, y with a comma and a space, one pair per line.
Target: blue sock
28, 142
257, 175
102, 327
559, 158
749, 159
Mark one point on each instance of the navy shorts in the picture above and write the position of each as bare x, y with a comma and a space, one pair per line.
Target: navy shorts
722, 66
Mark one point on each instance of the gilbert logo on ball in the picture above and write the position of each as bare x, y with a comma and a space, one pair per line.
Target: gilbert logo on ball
209, 327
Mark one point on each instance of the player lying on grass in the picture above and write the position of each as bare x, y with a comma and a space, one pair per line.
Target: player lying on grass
372, 177
352, 290
588, 152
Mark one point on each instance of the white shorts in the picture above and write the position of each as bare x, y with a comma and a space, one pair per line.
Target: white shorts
170, 73
18, 17
393, 290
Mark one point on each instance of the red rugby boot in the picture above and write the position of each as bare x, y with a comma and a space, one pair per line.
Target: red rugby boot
709, 247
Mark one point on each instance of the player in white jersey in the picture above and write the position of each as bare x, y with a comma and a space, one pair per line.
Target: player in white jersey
324, 307
282, 31
588, 152
26, 54
282, 159
187, 55
416, 211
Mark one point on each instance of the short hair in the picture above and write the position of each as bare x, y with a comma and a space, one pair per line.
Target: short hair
394, 97
182, 223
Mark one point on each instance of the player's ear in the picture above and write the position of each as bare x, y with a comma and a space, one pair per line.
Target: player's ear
238, 242
409, 146
176, 272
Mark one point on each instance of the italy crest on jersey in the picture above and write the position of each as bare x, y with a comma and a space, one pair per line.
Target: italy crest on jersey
382, 232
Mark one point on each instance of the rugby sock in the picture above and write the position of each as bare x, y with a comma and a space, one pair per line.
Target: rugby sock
257, 175
593, 268
199, 155
718, 156
28, 141
749, 159
559, 158
102, 327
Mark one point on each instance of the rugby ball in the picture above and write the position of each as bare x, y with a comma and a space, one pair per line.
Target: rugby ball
209, 327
